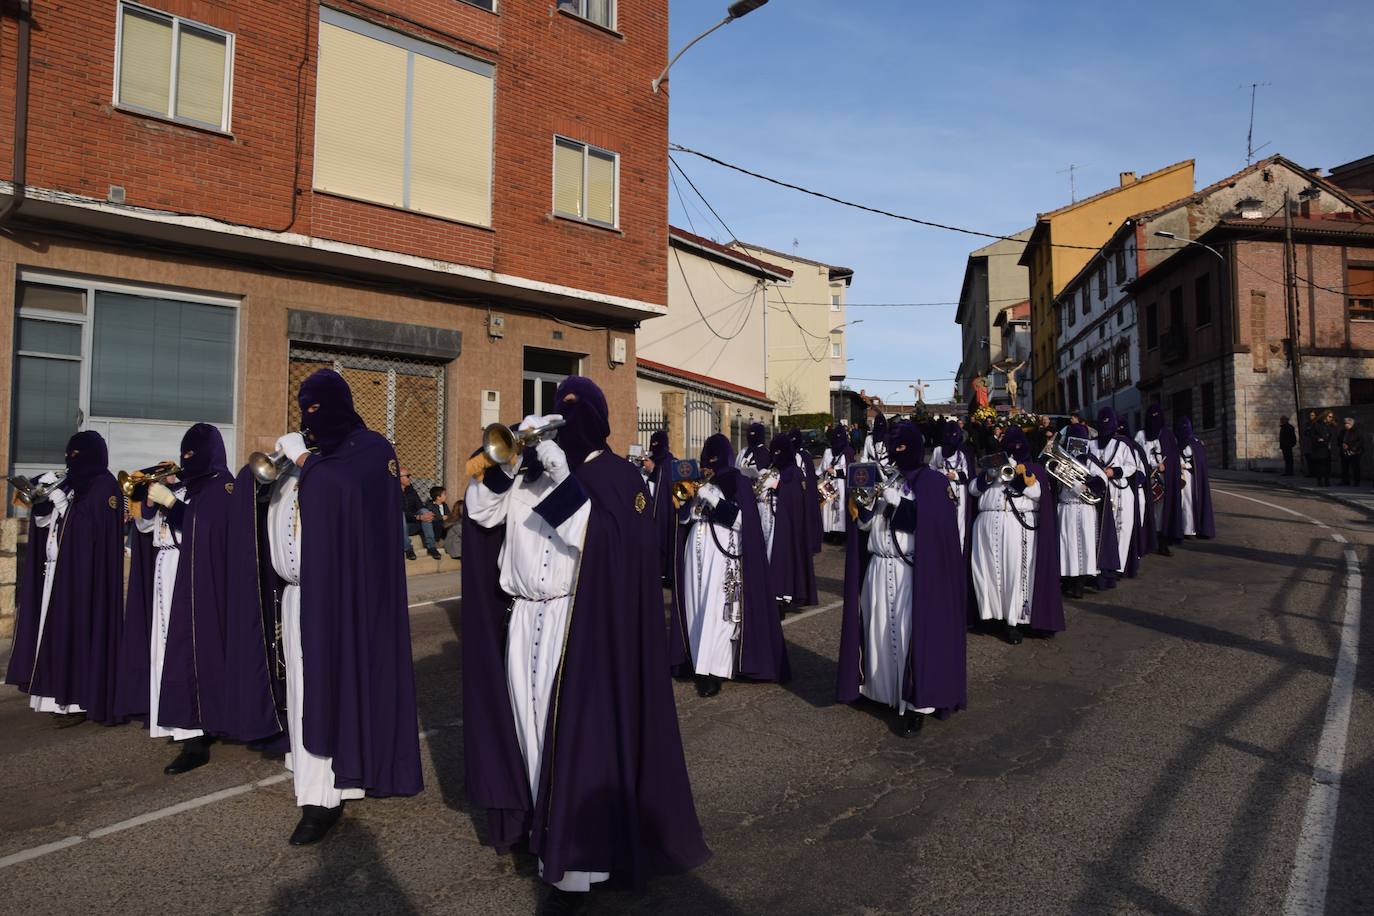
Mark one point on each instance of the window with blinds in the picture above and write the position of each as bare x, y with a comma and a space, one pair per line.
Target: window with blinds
402, 122
173, 68
585, 182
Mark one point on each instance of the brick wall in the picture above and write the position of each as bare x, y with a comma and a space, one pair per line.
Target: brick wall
554, 73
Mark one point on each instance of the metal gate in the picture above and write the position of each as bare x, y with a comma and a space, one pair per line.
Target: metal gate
701, 422
403, 399
650, 422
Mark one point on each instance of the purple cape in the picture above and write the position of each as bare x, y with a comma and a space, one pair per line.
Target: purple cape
76, 660
613, 789
355, 625
131, 693
791, 567
811, 506
761, 653
665, 518
1203, 520
936, 670
1173, 488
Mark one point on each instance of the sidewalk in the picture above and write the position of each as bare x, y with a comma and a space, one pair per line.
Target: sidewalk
1361, 498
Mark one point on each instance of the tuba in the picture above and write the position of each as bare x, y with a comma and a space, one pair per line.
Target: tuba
28, 493
502, 445
134, 484
1064, 467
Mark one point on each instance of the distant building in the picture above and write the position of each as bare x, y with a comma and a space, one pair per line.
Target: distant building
805, 331
1356, 179
702, 367
993, 280
1064, 240
1216, 332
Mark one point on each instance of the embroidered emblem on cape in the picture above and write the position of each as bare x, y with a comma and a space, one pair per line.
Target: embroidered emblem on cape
391, 467
113, 502
640, 502
229, 488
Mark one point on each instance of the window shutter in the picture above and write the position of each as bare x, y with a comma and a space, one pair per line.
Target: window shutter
451, 142
200, 77
567, 179
600, 188
360, 106
145, 62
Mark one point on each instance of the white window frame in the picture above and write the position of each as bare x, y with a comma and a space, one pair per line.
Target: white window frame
539, 377
834, 302
587, 150
226, 117
581, 13
836, 350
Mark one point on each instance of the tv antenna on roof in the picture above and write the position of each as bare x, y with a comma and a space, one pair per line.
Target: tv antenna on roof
1073, 185
796, 245
1250, 148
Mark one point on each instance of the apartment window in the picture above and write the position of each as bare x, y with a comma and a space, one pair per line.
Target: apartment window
401, 122
1087, 299
1087, 382
84, 360
1120, 258
835, 349
834, 302
602, 12
1059, 319
1104, 374
544, 369
1102, 282
1176, 309
173, 68
1359, 285
484, 4
1202, 300
1209, 405
584, 182
1120, 317
1073, 391
1072, 313
1152, 325
1123, 366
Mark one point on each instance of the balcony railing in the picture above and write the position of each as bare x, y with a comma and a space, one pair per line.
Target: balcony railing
1173, 347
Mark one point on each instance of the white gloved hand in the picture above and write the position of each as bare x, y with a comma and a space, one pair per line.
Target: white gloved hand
710, 494
160, 494
892, 495
533, 421
59, 498
292, 445
50, 477
554, 461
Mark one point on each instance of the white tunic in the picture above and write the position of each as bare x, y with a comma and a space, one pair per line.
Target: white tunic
1004, 550
711, 636
956, 463
1125, 508
313, 774
53, 522
746, 465
1078, 533
539, 571
885, 606
1186, 500
874, 450
833, 509
1154, 451
167, 544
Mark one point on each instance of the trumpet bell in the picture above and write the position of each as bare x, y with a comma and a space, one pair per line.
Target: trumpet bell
499, 443
27, 493
266, 468
134, 484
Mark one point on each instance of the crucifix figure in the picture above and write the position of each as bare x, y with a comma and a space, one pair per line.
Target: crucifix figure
920, 389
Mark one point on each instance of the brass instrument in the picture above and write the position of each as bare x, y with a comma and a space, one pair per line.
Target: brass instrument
684, 491
28, 492
686, 481
502, 445
763, 482
267, 468
866, 495
1061, 464
826, 488
134, 484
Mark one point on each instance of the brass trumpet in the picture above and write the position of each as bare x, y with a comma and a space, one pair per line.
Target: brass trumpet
27, 492
267, 468
502, 445
134, 484
684, 491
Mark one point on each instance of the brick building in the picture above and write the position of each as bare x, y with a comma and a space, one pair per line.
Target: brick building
454, 202
1215, 332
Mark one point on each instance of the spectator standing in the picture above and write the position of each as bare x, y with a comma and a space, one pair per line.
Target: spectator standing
1309, 444
1323, 440
1352, 450
1288, 438
417, 519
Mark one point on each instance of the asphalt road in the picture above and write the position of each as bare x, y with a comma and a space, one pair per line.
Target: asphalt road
1155, 758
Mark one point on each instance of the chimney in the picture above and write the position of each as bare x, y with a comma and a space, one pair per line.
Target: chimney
1127, 178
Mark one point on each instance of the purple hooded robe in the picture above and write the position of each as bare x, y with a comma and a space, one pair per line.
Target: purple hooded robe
1108, 548
936, 670
76, 660
1156, 428
355, 624
613, 791
199, 687
760, 652
952, 441
665, 518
1204, 522
811, 506
791, 565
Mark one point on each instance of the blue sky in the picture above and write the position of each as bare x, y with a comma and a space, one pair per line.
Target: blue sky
965, 113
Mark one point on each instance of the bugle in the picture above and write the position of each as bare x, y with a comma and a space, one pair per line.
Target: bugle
502, 445
134, 484
28, 492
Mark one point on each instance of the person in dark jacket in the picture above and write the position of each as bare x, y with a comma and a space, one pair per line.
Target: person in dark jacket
418, 519
1323, 441
1288, 438
1309, 444
1352, 450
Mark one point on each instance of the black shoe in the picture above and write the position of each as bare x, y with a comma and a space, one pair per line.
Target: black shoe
315, 822
562, 903
703, 682
195, 752
410, 554
712, 686
1164, 551
911, 723
1076, 590
435, 554
1013, 635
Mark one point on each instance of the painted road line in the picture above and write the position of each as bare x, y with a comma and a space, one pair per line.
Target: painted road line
1309, 880
813, 612
435, 601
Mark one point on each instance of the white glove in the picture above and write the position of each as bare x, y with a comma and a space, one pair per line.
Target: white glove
710, 494
59, 498
50, 477
292, 445
554, 461
892, 496
533, 421
160, 494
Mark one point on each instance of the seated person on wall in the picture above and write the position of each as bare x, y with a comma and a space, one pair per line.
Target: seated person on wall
417, 519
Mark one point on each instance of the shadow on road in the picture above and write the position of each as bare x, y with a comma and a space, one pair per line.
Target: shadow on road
439, 698
350, 878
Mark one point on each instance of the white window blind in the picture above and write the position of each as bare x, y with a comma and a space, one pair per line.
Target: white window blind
584, 182
173, 68
145, 62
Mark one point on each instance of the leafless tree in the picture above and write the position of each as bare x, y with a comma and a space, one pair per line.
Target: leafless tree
788, 398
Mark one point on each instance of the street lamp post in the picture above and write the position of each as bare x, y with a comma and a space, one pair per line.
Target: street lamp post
1169, 235
736, 10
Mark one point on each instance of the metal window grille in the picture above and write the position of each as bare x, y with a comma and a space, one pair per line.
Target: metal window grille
403, 399
650, 422
702, 420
